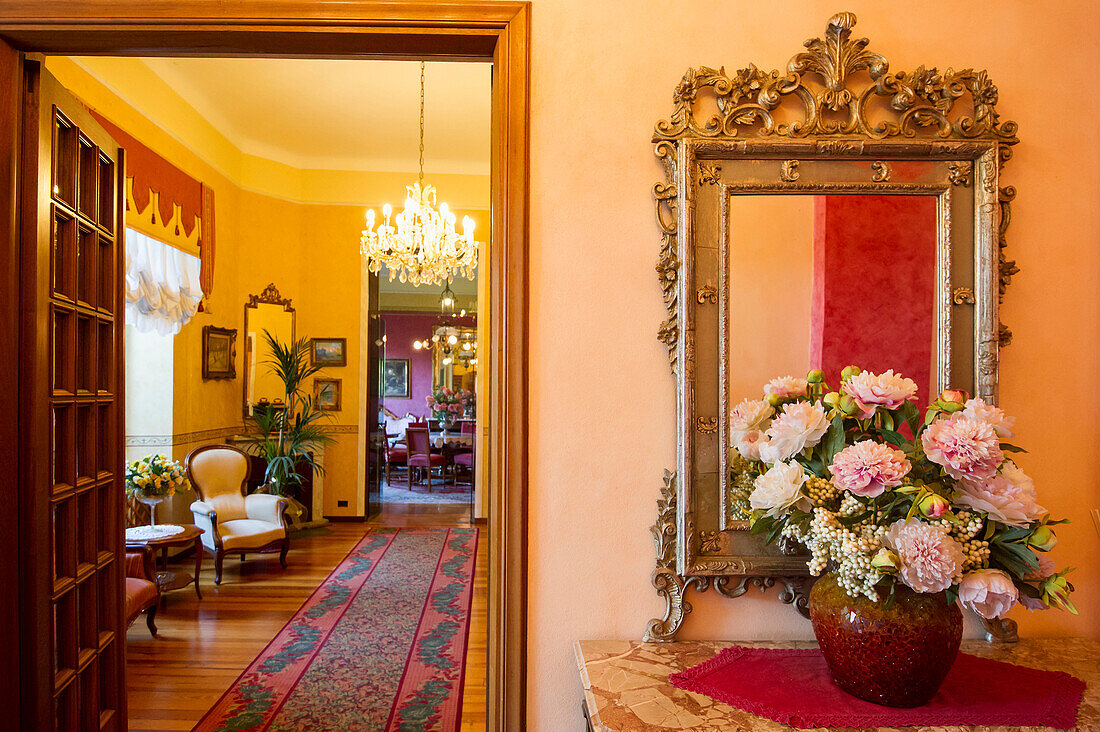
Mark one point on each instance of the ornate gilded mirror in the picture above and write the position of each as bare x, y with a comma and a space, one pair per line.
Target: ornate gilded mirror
833, 213
454, 356
272, 312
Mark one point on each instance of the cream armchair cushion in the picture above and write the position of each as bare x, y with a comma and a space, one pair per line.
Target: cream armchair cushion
230, 520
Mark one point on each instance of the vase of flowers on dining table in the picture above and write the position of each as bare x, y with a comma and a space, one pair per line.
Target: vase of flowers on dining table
908, 515
448, 405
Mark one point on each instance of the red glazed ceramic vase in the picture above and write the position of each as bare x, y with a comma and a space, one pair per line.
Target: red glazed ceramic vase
896, 657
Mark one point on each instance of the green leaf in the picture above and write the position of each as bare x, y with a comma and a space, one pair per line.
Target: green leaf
894, 438
853, 519
1005, 447
912, 417
891, 597
834, 440
952, 594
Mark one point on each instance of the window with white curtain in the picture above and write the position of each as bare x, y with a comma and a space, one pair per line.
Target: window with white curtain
162, 285
162, 294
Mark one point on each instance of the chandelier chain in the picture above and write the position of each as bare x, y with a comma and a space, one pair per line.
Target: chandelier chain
420, 244
421, 124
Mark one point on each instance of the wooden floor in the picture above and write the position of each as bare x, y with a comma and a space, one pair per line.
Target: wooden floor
203, 645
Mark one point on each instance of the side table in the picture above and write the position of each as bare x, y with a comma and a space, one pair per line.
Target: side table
170, 579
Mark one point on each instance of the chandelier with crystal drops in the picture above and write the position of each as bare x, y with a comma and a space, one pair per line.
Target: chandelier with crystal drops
420, 245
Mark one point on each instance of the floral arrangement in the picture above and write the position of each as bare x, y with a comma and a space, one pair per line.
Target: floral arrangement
881, 494
447, 404
155, 475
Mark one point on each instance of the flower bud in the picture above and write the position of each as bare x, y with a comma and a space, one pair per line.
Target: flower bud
773, 399
848, 405
832, 399
816, 376
953, 396
933, 506
885, 561
1056, 590
849, 372
1042, 539
951, 407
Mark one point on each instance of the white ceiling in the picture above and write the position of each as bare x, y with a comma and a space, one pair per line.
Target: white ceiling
342, 115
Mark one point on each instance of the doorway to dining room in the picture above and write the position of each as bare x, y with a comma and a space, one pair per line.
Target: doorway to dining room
430, 377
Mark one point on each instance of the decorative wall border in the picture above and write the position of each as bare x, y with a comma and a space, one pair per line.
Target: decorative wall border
188, 438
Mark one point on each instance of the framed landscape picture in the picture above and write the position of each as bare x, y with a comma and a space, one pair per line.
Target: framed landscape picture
219, 352
329, 351
326, 394
395, 378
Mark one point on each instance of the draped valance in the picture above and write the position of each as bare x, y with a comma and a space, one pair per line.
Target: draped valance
162, 285
166, 204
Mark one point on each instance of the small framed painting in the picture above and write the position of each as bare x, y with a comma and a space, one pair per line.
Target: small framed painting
329, 351
219, 353
326, 394
395, 378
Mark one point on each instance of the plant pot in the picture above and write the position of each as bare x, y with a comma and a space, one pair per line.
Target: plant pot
897, 657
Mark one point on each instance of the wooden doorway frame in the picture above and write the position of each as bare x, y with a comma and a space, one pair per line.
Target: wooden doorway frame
441, 30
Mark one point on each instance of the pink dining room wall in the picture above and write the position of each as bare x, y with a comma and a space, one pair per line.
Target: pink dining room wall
402, 328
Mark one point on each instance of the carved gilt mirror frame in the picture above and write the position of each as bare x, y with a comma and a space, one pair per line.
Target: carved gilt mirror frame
836, 122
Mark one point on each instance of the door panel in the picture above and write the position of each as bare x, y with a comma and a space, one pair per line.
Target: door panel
72, 627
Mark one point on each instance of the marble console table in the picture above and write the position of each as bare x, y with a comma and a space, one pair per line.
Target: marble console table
626, 686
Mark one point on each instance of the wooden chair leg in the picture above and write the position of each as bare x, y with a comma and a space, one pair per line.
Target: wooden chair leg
242, 556
285, 549
218, 557
150, 619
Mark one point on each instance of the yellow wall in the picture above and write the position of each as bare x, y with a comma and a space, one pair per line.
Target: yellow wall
602, 75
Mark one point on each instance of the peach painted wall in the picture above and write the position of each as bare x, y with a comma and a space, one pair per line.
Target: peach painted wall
602, 75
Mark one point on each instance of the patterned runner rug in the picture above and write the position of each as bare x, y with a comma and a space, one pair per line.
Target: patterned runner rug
380, 645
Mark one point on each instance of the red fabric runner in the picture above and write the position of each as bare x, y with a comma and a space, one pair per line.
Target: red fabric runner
796, 688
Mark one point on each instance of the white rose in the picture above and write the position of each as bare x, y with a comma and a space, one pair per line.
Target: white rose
750, 443
988, 592
778, 489
748, 416
801, 425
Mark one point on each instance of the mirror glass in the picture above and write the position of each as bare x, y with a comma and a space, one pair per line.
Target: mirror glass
454, 357
261, 385
824, 281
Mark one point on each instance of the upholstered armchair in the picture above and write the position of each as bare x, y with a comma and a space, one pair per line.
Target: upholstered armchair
142, 593
234, 523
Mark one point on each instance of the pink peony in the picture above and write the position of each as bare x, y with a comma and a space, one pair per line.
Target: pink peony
801, 425
868, 468
888, 390
1008, 497
967, 450
749, 444
929, 557
1047, 567
988, 592
749, 416
979, 411
786, 387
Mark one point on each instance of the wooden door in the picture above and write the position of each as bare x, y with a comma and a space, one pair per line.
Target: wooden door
376, 435
72, 633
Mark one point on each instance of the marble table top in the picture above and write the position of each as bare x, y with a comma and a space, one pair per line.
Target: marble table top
626, 687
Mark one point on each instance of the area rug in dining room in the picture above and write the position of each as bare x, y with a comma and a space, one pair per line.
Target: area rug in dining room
380, 645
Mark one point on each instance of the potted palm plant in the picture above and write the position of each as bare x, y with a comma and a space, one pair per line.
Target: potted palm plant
288, 437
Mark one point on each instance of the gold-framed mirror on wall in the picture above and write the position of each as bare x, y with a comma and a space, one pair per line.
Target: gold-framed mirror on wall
454, 357
268, 311
799, 207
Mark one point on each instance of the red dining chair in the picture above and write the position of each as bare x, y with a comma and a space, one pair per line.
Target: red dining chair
465, 459
421, 455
